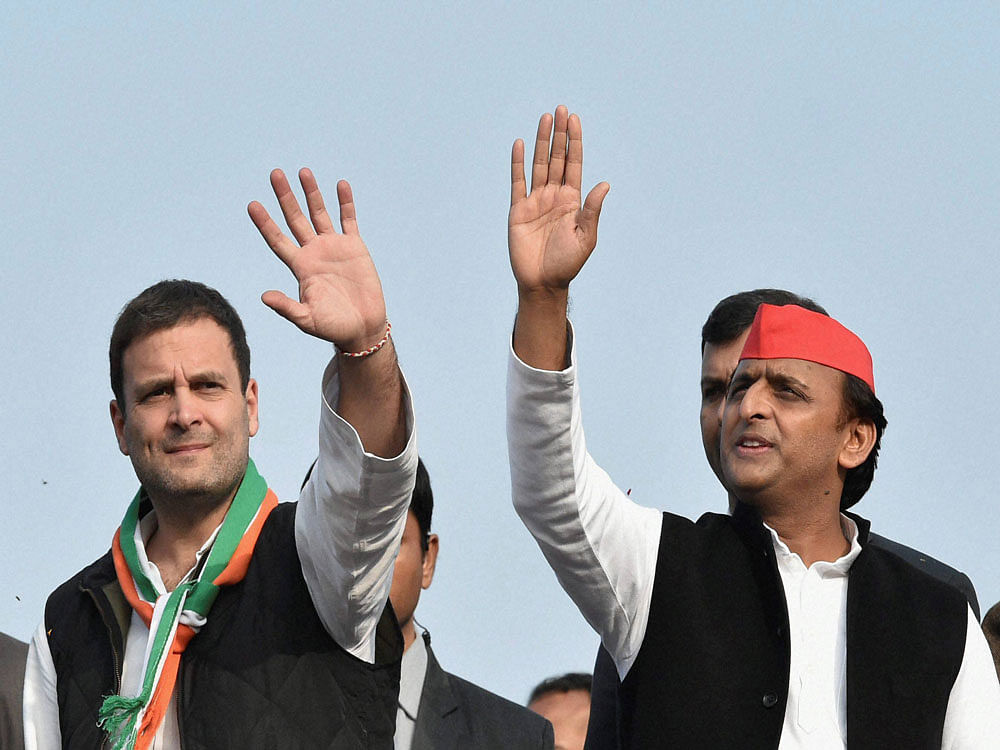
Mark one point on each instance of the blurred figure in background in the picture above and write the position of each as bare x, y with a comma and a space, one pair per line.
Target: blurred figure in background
437, 709
13, 654
565, 701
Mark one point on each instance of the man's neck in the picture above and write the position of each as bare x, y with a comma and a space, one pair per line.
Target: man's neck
409, 631
178, 537
815, 534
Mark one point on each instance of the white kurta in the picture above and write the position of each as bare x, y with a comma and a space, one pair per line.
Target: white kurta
348, 526
603, 548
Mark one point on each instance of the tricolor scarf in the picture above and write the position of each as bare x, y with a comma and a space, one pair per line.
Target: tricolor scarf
174, 619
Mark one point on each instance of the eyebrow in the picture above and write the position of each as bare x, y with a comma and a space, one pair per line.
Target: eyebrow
774, 378
709, 380
156, 383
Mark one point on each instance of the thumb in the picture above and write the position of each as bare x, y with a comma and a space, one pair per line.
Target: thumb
286, 307
591, 211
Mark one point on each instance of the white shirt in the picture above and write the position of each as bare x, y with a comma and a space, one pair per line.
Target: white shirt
348, 526
412, 672
603, 548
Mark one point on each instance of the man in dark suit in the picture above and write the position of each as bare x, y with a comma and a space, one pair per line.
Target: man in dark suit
438, 710
722, 339
13, 654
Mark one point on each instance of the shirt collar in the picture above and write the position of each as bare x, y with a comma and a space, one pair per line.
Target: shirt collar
143, 532
411, 677
841, 565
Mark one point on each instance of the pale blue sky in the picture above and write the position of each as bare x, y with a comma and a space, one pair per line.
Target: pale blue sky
846, 151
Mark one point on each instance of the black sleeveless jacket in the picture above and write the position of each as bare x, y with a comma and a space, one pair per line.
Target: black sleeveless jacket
713, 668
262, 673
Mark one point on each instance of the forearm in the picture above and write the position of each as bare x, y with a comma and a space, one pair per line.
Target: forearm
371, 400
350, 519
601, 545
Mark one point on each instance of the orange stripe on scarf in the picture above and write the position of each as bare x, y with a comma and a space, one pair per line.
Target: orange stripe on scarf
240, 561
157, 709
125, 580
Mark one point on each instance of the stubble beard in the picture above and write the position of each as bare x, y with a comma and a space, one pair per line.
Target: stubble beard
182, 495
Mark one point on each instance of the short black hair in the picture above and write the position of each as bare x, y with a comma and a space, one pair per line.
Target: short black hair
422, 503
860, 402
562, 684
164, 305
734, 314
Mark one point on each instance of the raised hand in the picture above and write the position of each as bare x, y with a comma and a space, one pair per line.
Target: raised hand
549, 234
340, 300
340, 295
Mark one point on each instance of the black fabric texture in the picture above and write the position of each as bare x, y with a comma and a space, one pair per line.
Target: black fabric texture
262, 673
713, 667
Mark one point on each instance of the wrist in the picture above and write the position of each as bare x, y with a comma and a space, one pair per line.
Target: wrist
553, 299
366, 345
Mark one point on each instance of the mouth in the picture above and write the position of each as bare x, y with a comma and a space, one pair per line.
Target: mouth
752, 445
186, 449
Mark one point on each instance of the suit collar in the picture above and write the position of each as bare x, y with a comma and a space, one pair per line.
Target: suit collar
441, 725
412, 672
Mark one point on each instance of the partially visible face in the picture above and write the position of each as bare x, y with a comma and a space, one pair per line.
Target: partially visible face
718, 362
783, 436
414, 572
186, 423
569, 712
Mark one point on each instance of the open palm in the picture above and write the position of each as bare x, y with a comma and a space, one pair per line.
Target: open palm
549, 234
340, 295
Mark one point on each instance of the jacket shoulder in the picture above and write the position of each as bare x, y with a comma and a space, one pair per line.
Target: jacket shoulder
94, 576
931, 566
491, 716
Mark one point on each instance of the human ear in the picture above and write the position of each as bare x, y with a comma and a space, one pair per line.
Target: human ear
252, 403
430, 561
118, 420
858, 444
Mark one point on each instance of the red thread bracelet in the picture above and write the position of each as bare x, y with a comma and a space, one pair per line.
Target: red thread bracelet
372, 349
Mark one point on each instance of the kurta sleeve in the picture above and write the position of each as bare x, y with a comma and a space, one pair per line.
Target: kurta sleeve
601, 545
973, 717
350, 521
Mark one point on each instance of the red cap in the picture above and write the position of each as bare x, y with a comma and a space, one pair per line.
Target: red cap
792, 332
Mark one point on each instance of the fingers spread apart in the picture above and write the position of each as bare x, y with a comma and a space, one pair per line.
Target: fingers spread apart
297, 222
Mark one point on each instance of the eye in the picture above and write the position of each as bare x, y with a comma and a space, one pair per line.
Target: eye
712, 393
736, 391
207, 385
155, 393
787, 391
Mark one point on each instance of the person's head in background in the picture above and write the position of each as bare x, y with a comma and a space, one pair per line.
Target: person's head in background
417, 557
564, 701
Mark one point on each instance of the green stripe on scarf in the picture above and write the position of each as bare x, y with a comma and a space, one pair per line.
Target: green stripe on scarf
120, 715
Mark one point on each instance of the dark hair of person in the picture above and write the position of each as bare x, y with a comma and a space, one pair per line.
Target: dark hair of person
164, 305
561, 684
422, 503
860, 402
733, 315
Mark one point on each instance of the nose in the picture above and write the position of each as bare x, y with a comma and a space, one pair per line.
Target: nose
185, 412
754, 405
